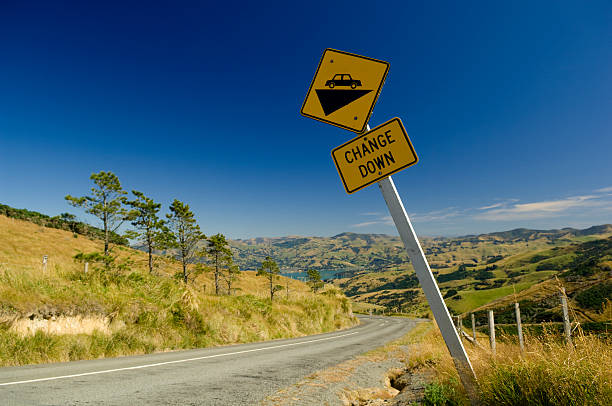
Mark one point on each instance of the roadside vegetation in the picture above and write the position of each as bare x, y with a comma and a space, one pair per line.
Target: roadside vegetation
548, 373
67, 296
65, 314
69, 316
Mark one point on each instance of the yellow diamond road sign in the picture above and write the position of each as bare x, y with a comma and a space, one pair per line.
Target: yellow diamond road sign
374, 155
344, 89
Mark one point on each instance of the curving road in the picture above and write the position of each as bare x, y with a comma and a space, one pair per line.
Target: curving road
232, 375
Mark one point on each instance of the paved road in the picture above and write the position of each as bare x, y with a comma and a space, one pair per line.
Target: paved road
232, 375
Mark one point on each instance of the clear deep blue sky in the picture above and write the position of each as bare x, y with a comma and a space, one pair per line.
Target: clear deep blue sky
508, 105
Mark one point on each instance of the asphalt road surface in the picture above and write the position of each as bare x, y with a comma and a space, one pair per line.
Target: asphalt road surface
232, 375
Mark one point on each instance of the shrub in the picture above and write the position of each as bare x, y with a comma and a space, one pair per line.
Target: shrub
538, 258
595, 297
460, 273
439, 394
451, 292
484, 274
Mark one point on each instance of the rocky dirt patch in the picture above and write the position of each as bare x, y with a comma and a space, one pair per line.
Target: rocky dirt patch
366, 380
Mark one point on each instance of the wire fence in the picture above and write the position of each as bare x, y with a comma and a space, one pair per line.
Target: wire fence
569, 324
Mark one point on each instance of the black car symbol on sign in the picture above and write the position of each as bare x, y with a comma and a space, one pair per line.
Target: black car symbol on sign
343, 79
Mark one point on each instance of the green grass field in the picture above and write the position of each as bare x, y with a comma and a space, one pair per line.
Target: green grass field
472, 299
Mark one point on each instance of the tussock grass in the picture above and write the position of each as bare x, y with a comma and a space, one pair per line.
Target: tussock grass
65, 314
548, 373
142, 313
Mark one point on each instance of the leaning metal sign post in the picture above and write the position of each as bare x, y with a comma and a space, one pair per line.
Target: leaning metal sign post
343, 93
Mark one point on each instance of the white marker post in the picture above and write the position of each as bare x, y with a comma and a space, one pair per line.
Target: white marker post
430, 287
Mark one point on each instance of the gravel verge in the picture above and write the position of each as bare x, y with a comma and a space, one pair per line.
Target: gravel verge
370, 379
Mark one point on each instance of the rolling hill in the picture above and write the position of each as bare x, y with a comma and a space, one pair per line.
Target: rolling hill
352, 252
531, 276
472, 270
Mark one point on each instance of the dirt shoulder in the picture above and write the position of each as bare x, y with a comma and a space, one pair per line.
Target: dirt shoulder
374, 378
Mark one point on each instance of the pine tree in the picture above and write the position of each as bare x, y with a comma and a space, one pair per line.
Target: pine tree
106, 203
269, 269
314, 279
148, 225
230, 276
218, 250
184, 235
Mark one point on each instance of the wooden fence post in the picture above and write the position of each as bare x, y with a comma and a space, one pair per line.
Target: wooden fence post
473, 326
567, 327
492, 331
459, 319
519, 327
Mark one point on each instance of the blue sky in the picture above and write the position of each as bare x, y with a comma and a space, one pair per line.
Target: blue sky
507, 104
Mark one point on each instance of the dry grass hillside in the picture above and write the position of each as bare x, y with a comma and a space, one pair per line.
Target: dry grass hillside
65, 314
23, 244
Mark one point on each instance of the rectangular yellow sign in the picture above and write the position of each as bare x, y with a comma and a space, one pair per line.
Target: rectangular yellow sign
374, 155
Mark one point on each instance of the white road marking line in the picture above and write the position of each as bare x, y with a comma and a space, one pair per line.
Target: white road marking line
174, 362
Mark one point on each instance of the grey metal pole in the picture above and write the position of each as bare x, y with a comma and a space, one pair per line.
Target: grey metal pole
474, 327
428, 283
566, 321
519, 326
492, 330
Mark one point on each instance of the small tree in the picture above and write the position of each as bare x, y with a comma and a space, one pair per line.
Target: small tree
314, 280
218, 250
230, 276
269, 269
106, 203
148, 225
183, 234
108, 262
71, 221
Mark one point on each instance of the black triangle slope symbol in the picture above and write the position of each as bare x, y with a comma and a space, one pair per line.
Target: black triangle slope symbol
332, 100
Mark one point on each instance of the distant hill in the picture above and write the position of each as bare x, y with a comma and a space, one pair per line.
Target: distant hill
527, 234
472, 270
353, 252
531, 276
347, 252
584, 270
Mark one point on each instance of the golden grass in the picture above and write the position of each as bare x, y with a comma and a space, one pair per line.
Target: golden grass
23, 244
64, 314
548, 373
